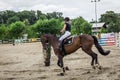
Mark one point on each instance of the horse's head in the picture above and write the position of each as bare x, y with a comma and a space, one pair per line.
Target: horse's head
44, 41
50, 39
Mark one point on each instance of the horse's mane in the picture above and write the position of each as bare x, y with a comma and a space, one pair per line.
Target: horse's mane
51, 36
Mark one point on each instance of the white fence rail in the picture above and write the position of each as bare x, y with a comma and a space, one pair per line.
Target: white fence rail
109, 39
19, 41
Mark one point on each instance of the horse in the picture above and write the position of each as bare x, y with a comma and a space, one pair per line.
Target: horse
85, 42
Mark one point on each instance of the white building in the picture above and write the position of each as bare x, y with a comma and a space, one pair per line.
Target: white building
97, 28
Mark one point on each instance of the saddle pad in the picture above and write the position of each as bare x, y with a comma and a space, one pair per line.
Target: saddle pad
68, 40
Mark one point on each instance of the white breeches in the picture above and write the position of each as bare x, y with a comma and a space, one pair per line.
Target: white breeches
67, 33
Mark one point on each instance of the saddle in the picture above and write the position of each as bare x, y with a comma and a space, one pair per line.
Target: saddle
67, 41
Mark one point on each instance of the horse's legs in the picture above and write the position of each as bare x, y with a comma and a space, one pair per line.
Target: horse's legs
61, 64
58, 63
93, 55
97, 63
92, 62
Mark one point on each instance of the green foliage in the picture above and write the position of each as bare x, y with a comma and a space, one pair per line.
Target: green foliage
8, 16
55, 15
26, 22
16, 29
81, 26
40, 15
86, 28
31, 32
30, 15
114, 27
5, 15
3, 32
35, 23
113, 21
13, 19
109, 16
47, 26
103, 30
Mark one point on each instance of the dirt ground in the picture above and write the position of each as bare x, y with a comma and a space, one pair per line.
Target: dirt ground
25, 62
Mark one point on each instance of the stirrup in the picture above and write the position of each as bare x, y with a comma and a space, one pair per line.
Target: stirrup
60, 48
60, 45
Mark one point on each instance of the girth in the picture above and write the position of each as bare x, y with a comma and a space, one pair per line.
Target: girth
66, 41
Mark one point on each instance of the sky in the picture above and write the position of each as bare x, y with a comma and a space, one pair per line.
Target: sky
69, 8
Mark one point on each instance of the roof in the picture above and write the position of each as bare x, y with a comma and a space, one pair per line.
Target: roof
98, 25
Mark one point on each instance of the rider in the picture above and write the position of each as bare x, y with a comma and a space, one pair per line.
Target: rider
66, 30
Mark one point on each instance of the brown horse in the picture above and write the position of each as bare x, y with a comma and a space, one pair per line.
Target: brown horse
82, 41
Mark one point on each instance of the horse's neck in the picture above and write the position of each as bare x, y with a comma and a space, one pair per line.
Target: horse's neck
54, 42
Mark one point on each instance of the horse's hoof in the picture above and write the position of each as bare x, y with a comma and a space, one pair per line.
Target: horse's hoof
67, 68
94, 67
47, 64
62, 74
100, 67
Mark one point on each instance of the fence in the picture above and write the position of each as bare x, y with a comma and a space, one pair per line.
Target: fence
118, 39
18, 41
110, 39
27, 40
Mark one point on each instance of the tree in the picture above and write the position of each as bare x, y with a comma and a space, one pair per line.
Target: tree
40, 15
86, 28
3, 32
81, 26
30, 15
114, 27
113, 21
31, 32
109, 16
55, 15
26, 22
5, 15
13, 19
47, 26
17, 23
103, 30
16, 29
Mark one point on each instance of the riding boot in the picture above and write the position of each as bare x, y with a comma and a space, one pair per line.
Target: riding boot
60, 45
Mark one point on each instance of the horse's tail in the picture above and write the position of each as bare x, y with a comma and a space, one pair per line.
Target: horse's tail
99, 48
